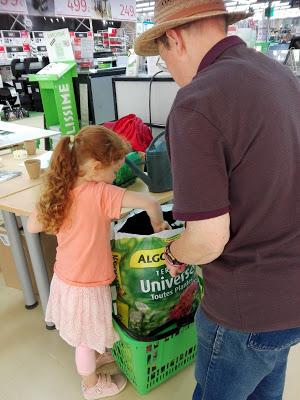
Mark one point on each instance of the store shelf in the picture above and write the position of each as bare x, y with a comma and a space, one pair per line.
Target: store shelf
118, 44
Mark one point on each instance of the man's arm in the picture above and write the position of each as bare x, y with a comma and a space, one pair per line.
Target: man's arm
202, 241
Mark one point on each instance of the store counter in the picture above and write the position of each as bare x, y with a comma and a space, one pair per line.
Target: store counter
22, 204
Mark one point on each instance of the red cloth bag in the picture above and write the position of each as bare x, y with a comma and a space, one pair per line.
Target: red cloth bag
133, 129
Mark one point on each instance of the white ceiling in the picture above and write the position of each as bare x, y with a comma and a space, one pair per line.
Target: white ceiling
147, 7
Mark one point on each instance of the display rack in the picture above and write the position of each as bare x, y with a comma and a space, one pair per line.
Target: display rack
13, 44
83, 48
38, 44
114, 40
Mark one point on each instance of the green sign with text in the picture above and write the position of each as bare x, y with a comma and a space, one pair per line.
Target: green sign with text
57, 92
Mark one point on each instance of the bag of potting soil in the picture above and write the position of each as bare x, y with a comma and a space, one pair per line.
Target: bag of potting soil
147, 295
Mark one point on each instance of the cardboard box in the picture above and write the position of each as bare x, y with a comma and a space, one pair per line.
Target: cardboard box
7, 264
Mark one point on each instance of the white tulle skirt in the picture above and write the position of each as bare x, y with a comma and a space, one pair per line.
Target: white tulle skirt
82, 315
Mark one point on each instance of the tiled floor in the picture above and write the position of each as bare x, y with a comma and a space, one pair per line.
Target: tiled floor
35, 364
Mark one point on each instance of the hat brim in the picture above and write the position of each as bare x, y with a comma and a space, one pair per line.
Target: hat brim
146, 45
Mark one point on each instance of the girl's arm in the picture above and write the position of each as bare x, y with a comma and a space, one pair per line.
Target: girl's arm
33, 224
150, 205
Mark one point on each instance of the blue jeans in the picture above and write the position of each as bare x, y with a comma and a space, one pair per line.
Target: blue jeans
234, 365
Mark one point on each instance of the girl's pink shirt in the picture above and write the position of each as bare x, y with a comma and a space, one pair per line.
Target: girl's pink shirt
83, 256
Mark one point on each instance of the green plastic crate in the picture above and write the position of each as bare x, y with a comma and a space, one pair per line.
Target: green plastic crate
147, 364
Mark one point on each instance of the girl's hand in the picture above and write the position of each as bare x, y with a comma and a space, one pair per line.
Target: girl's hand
150, 205
160, 226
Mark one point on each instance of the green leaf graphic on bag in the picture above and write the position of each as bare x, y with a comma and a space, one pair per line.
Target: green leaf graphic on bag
148, 296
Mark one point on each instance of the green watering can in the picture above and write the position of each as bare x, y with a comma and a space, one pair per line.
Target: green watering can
126, 176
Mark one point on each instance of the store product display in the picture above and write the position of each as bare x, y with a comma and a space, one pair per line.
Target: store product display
14, 113
8, 98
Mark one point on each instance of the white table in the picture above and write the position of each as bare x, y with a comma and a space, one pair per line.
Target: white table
18, 133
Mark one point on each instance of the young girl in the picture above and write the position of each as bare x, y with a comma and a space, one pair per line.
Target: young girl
78, 204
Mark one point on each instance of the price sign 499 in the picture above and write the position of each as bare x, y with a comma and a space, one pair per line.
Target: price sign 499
77, 5
77, 8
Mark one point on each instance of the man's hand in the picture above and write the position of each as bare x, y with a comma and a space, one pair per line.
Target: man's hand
174, 271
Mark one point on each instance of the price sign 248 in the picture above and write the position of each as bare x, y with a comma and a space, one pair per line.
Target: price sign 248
127, 10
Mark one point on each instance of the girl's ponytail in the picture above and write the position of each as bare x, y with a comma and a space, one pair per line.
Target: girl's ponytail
55, 200
91, 143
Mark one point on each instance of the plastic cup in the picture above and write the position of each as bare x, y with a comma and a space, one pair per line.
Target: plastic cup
33, 168
30, 147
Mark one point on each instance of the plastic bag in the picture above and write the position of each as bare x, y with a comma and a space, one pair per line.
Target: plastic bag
147, 296
133, 129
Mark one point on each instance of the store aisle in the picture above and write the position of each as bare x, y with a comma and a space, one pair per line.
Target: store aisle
36, 363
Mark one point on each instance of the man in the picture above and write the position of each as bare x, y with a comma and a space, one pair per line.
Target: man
234, 137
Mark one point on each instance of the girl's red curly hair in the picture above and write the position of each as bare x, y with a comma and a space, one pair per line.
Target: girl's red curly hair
92, 142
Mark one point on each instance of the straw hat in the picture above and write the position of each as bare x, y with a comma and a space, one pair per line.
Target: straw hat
170, 14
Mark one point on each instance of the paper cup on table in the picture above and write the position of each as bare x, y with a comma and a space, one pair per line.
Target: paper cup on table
33, 168
30, 147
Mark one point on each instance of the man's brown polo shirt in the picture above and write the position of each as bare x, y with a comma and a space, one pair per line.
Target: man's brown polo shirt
234, 136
